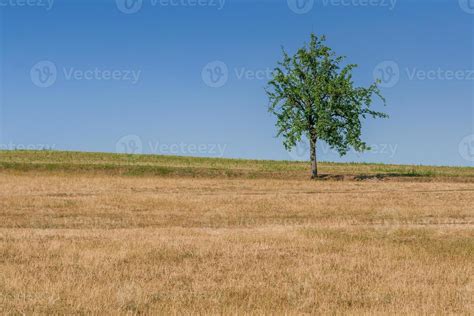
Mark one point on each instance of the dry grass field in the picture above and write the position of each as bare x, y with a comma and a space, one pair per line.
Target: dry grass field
110, 234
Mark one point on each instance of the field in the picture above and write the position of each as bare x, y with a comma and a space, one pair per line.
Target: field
104, 233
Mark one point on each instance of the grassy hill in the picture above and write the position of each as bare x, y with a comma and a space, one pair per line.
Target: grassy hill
173, 166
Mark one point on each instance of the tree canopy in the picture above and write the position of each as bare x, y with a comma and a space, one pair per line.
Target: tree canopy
313, 94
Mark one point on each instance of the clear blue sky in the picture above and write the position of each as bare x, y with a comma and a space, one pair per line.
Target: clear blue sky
137, 74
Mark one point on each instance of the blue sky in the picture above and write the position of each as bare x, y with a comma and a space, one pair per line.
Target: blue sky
102, 76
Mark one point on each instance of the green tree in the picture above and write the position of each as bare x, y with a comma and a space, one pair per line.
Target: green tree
312, 94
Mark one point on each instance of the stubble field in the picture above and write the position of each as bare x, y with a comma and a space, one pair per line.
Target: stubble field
76, 239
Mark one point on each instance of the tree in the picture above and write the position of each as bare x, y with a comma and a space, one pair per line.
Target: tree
312, 94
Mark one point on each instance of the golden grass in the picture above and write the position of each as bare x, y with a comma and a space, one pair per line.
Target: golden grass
113, 244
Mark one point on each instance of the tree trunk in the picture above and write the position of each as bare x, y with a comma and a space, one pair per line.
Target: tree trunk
314, 161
